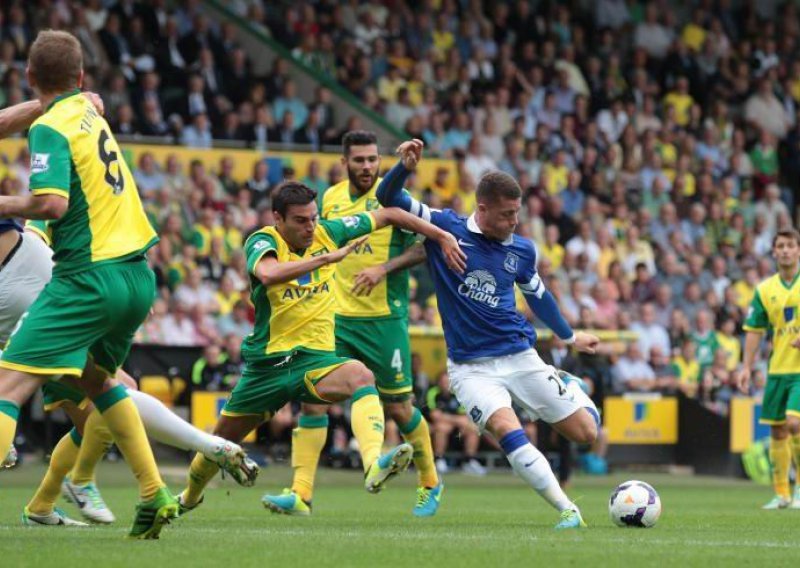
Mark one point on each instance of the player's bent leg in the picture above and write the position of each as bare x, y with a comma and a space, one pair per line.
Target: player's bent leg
41, 509
415, 431
308, 441
580, 427
16, 387
203, 470
166, 427
79, 486
354, 380
158, 505
532, 466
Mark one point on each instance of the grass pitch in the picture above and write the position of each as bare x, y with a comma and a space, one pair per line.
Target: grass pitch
485, 522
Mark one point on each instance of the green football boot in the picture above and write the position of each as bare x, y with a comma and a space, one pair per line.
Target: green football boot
152, 515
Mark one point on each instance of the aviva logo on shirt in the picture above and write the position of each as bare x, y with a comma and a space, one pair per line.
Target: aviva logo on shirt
290, 294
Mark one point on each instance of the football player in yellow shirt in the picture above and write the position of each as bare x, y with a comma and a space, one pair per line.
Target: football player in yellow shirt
291, 354
372, 298
102, 287
774, 310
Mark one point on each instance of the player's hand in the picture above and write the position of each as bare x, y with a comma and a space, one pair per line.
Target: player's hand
96, 101
339, 254
455, 258
367, 279
742, 379
410, 153
586, 342
796, 343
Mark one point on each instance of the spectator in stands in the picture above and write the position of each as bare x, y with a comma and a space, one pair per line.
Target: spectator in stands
447, 416
258, 185
705, 338
148, 177
651, 334
177, 328
198, 133
209, 372
236, 321
632, 372
194, 292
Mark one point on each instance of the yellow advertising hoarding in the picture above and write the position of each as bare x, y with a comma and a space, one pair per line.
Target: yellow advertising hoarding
206, 407
641, 420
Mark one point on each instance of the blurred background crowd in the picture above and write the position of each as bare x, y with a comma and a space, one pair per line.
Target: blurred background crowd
657, 144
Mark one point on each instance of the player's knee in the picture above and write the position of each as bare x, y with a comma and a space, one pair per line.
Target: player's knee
361, 377
779, 431
400, 412
587, 432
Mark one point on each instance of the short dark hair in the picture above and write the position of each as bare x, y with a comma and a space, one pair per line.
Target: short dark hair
357, 138
291, 193
787, 233
497, 185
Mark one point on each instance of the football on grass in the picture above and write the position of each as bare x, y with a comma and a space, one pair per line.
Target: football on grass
634, 504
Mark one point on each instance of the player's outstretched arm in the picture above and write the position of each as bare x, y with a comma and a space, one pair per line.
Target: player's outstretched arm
17, 118
453, 255
390, 191
370, 277
270, 272
40, 206
544, 305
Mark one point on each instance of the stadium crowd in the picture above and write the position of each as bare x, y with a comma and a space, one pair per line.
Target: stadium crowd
657, 165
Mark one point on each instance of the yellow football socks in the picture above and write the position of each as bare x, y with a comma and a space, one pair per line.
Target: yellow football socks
417, 434
780, 454
201, 472
796, 450
126, 426
9, 414
308, 441
61, 461
366, 420
96, 441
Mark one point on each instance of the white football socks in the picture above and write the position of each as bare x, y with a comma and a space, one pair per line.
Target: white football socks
168, 428
531, 465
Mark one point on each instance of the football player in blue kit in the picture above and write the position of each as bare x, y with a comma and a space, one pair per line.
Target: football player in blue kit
490, 345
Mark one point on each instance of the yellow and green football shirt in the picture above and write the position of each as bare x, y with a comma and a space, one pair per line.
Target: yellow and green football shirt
297, 315
774, 309
390, 297
74, 155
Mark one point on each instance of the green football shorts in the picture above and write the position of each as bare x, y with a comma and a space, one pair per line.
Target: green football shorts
267, 385
56, 393
384, 347
781, 397
95, 312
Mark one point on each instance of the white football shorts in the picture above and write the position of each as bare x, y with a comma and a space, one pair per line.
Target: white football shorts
485, 386
21, 280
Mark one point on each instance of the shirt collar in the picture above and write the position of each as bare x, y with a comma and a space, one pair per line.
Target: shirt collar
63, 96
472, 225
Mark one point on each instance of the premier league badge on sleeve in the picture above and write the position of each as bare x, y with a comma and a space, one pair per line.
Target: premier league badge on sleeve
511, 262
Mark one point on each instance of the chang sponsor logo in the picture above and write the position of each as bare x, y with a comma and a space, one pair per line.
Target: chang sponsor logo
480, 285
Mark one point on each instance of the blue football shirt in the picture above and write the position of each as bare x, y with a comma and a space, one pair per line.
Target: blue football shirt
478, 308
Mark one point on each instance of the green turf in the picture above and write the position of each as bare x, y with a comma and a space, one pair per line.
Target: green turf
486, 522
